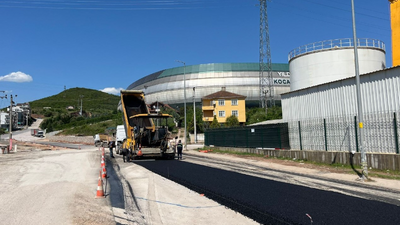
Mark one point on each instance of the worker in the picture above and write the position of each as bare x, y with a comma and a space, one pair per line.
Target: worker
125, 152
111, 145
179, 148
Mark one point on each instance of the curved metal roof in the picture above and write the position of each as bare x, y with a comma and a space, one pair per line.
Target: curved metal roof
205, 68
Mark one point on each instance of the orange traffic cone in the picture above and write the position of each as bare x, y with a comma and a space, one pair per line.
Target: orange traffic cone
100, 192
102, 151
104, 175
102, 161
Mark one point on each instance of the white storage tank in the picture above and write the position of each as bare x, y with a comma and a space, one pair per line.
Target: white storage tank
331, 60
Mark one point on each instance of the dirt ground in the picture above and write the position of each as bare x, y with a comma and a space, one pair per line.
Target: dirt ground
372, 173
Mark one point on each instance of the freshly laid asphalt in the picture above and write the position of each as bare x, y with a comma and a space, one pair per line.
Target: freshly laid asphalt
271, 202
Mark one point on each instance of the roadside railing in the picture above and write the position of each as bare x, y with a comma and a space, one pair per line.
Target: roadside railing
336, 43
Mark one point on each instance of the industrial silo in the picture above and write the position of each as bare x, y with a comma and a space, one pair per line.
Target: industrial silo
326, 61
395, 24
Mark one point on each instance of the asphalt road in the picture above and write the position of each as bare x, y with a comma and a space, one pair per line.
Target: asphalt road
271, 202
267, 201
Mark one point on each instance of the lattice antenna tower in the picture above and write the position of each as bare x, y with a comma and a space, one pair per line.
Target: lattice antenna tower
265, 74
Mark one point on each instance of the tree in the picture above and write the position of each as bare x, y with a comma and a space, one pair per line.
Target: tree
274, 113
214, 123
232, 121
190, 120
256, 115
170, 121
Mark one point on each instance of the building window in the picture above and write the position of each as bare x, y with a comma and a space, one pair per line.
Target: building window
221, 113
235, 113
221, 102
234, 102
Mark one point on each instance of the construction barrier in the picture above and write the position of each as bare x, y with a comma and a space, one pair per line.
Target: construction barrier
102, 161
100, 191
104, 174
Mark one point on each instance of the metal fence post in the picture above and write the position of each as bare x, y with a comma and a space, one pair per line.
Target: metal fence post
262, 138
301, 146
247, 138
326, 138
396, 137
234, 138
223, 138
356, 130
205, 138
280, 138
214, 137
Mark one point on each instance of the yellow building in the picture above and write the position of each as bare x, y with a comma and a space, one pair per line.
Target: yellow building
223, 104
395, 22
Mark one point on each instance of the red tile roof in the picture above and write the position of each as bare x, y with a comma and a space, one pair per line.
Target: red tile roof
223, 95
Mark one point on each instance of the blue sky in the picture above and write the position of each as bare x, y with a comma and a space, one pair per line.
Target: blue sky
47, 45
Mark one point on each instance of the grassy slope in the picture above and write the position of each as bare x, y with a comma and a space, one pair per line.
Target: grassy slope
94, 102
99, 110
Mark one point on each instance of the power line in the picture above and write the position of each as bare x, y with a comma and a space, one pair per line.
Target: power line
325, 19
118, 5
346, 10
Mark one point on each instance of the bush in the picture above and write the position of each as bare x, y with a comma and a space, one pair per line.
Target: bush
232, 121
214, 123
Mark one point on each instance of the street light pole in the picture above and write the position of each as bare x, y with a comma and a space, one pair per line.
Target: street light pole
184, 94
359, 103
194, 114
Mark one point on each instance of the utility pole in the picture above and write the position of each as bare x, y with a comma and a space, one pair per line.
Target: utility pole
359, 102
81, 96
194, 114
2, 111
11, 121
265, 81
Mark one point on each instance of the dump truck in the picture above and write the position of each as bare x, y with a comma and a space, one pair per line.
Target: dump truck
101, 140
143, 138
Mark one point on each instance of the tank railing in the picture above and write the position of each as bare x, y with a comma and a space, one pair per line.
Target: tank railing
336, 43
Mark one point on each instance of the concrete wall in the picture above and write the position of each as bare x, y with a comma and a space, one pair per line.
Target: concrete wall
375, 161
88, 140
200, 138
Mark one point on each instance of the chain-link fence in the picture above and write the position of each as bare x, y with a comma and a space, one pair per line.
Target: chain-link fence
339, 133
263, 136
381, 134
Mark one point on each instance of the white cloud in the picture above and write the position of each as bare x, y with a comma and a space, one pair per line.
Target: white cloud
18, 77
112, 90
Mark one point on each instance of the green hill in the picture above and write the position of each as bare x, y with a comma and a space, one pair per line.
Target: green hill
94, 103
62, 111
